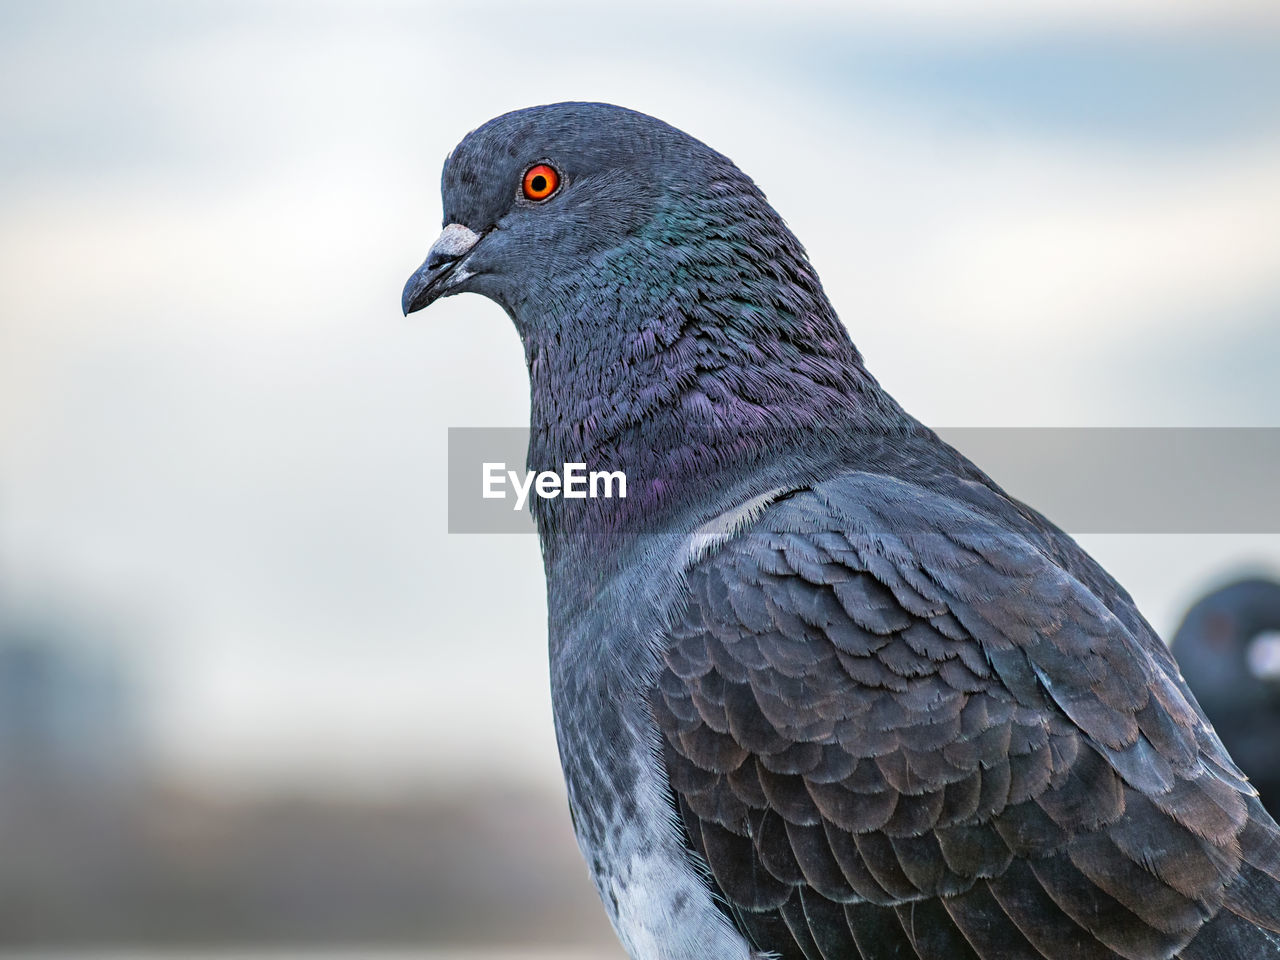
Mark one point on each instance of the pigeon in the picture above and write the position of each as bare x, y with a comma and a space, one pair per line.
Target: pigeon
822, 690
1222, 646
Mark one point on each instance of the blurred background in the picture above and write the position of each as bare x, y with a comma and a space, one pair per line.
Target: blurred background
251, 693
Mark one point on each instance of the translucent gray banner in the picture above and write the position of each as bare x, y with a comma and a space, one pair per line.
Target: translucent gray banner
1086, 479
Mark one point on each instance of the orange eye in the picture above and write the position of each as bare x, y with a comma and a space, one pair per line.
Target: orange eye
540, 182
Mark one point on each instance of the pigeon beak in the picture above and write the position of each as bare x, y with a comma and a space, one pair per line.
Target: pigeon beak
442, 270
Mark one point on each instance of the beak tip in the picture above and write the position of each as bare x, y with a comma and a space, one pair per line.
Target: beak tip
414, 297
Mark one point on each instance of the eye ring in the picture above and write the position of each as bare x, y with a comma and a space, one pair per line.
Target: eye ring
539, 182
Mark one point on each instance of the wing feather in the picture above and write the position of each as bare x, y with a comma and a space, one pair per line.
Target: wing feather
895, 727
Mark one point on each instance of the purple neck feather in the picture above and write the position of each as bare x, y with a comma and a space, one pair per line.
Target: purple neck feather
700, 351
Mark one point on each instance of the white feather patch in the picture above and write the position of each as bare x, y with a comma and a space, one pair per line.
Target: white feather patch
725, 526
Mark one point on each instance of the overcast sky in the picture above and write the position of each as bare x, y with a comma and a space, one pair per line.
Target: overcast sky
222, 448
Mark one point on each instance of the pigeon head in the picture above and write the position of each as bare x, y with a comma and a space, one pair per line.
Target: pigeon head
672, 324
1215, 644
532, 196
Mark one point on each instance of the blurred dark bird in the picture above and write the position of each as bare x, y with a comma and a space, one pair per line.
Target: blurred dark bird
1228, 646
822, 690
